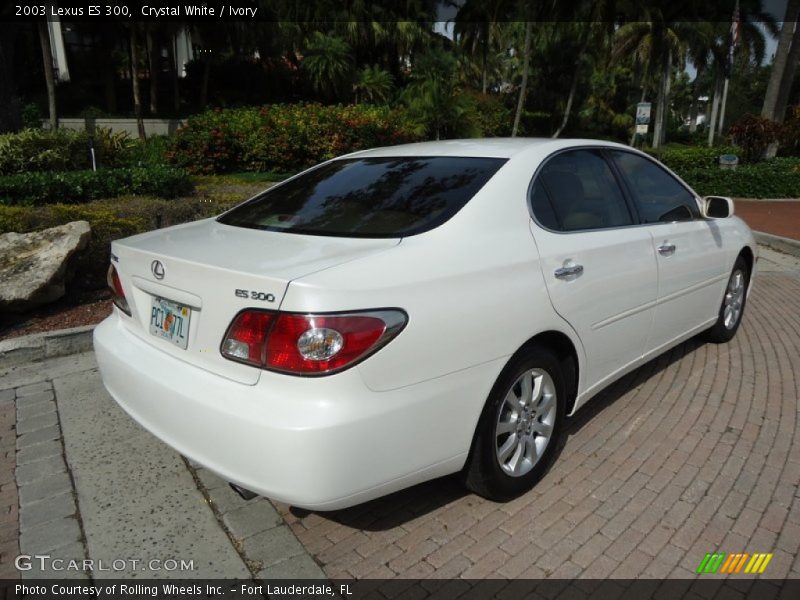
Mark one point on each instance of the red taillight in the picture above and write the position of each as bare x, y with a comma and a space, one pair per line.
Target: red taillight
117, 293
247, 336
309, 344
292, 343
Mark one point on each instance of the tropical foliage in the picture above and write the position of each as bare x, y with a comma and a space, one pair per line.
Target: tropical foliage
283, 137
551, 68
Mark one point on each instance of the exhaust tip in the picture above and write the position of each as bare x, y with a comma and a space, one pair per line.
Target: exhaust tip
245, 494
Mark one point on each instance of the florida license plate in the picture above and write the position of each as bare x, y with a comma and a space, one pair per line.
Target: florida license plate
170, 321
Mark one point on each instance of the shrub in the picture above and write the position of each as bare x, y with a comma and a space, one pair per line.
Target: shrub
31, 116
282, 137
80, 186
680, 158
775, 178
494, 118
59, 150
109, 220
150, 152
753, 134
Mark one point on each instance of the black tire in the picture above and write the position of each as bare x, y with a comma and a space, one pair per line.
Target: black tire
722, 332
483, 473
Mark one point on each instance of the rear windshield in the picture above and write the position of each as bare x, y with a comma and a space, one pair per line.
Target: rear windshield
368, 197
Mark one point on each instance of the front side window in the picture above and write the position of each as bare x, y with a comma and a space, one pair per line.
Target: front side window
576, 190
659, 197
368, 197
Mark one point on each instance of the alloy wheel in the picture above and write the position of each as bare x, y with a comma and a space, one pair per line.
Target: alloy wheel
734, 299
525, 422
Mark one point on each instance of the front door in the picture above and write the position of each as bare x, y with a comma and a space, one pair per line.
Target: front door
688, 248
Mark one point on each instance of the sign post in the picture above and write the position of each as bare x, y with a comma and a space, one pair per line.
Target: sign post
642, 119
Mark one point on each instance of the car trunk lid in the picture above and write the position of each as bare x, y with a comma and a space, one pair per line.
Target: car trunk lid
204, 273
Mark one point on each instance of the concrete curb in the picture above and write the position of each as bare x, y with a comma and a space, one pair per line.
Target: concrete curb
48, 344
776, 242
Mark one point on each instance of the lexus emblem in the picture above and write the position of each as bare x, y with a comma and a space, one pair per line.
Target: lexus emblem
157, 269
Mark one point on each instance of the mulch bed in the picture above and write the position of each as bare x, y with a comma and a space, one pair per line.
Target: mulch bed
74, 310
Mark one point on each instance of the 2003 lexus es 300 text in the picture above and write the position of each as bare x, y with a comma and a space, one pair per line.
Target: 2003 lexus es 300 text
403, 313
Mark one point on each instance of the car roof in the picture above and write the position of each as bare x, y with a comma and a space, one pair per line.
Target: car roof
483, 147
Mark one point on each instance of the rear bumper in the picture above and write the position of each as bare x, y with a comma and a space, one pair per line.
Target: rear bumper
320, 443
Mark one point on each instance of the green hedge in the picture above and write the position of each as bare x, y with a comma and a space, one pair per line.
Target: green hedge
679, 158
81, 186
283, 137
61, 150
699, 167
775, 178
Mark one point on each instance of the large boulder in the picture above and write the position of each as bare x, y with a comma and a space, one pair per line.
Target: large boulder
34, 266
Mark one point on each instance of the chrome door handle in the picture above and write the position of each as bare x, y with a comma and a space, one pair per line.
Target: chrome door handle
666, 249
573, 270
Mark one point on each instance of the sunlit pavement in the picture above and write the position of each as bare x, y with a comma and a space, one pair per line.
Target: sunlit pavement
698, 451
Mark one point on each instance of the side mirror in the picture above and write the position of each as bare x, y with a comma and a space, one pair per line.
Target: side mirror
717, 207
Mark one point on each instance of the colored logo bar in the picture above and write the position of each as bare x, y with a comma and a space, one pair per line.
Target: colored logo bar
720, 562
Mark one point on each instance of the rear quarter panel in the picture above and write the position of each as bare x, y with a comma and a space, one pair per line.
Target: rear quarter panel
472, 289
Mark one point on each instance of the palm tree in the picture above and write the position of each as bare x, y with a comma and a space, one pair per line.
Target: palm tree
373, 84
523, 88
658, 43
476, 29
753, 21
328, 62
433, 99
699, 53
137, 95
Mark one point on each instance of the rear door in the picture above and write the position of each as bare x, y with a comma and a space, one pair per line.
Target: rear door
688, 249
599, 267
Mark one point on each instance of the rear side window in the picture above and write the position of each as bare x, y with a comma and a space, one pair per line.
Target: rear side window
576, 190
368, 197
659, 197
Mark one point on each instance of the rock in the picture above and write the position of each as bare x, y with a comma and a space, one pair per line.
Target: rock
33, 266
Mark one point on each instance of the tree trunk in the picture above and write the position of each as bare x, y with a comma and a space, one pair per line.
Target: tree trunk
524, 87
788, 76
723, 105
137, 96
712, 122
770, 108
174, 74
663, 98
573, 88
47, 60
584, 43
695, 106
154, 56
486, 41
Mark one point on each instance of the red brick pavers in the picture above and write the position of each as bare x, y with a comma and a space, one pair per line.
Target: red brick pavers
9, 501
778, 218
695, 452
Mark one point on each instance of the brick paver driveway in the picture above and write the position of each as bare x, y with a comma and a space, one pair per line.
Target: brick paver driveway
698, 451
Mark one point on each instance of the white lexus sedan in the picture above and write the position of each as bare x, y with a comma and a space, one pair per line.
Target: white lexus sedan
405, 313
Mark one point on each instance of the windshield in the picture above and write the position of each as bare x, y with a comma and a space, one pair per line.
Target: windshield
368, 197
